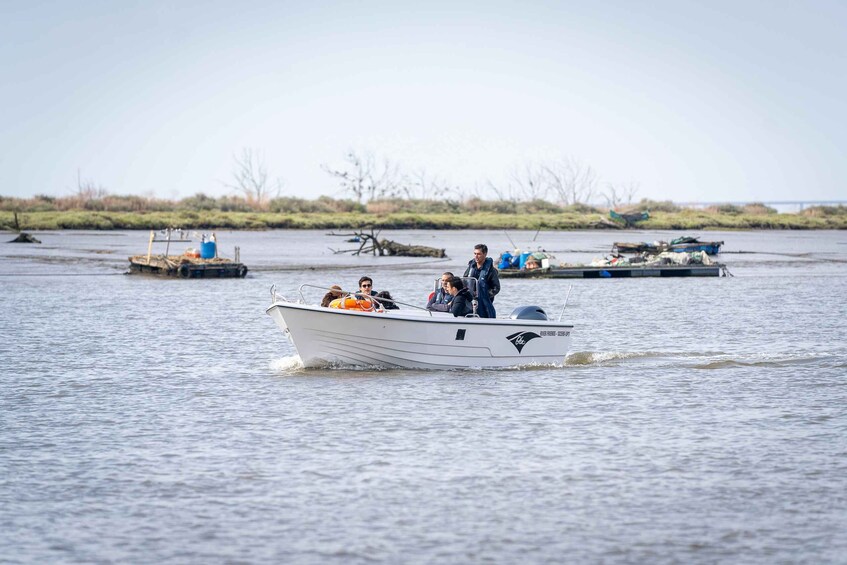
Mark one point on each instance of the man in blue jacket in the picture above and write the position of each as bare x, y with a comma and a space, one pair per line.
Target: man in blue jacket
481, 267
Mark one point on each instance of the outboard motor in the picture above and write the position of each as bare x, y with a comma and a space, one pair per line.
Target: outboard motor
528, 313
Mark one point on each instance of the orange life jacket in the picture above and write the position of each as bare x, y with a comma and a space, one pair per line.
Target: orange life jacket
362, 303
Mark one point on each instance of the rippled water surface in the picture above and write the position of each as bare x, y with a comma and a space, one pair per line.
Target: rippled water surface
697, 420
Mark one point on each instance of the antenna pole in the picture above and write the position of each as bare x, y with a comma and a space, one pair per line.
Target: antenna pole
510, 240
562, 313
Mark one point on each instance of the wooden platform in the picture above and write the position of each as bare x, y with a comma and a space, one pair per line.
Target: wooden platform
589, 272
182, 267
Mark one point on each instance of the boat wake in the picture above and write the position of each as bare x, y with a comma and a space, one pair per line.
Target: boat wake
705, 361
285, 364
579, 358
293, 365
775, 362
702, 361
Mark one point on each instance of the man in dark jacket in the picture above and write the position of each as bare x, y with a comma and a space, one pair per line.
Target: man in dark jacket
481, 267
462, 303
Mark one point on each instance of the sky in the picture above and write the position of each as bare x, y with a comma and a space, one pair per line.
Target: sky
689, 101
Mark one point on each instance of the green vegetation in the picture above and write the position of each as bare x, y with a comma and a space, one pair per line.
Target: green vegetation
203, 212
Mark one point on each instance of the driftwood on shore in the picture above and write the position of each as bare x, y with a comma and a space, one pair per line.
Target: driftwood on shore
25, 238
606, 223
369, 242
394, 248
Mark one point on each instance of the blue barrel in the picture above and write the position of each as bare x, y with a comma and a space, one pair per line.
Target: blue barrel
207, 250
505, 260
524, 257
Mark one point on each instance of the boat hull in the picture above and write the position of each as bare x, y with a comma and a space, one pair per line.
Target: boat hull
414, 340
712, 248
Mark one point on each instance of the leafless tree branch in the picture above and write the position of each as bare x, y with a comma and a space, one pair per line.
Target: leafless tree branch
363, 178
250, 177
571, 180
617, 195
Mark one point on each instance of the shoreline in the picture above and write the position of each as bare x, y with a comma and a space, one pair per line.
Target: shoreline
569, 221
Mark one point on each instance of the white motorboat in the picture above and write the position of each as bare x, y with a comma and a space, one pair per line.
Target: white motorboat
413, 337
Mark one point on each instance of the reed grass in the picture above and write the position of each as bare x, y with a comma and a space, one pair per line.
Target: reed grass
683, 220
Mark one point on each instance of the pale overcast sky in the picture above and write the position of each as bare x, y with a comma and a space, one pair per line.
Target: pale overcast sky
694, 101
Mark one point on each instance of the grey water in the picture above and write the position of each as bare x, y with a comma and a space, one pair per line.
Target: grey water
696, 420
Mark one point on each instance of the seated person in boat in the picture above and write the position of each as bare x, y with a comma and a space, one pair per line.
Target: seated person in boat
334, 292
366, 294
462, 303
388, 302
439, 301
363, 299
366, 287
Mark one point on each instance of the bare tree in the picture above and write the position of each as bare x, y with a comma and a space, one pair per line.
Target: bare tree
386, 180
531, 181
88, 190
621, 194
354, 178
502, 193
475, 192
364, 178
571, 180
424, 187
250, 177
630, 191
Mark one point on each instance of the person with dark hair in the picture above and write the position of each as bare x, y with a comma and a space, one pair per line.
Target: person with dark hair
334, 292
439, 301
366, 286
481, 267
388, 302
462, 303
365, 296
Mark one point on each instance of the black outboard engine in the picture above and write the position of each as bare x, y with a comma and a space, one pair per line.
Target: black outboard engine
528, 313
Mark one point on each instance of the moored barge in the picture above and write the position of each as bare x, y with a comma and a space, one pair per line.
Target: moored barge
192, 264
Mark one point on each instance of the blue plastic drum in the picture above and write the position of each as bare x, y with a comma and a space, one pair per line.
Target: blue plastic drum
207, 250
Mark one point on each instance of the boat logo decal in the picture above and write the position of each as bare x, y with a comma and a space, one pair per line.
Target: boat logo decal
521, 338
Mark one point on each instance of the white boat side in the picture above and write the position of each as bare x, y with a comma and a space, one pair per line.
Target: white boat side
418, 339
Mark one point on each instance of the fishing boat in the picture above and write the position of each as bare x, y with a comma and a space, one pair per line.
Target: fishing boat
653, 248
684, 244
629, 220
665, 264
524, 264
415, 338
688, 244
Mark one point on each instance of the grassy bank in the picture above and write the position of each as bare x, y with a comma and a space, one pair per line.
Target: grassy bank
685, 219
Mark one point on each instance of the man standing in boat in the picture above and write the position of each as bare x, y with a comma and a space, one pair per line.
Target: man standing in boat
481, 267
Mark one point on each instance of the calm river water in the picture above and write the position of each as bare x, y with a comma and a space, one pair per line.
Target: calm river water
697, 420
